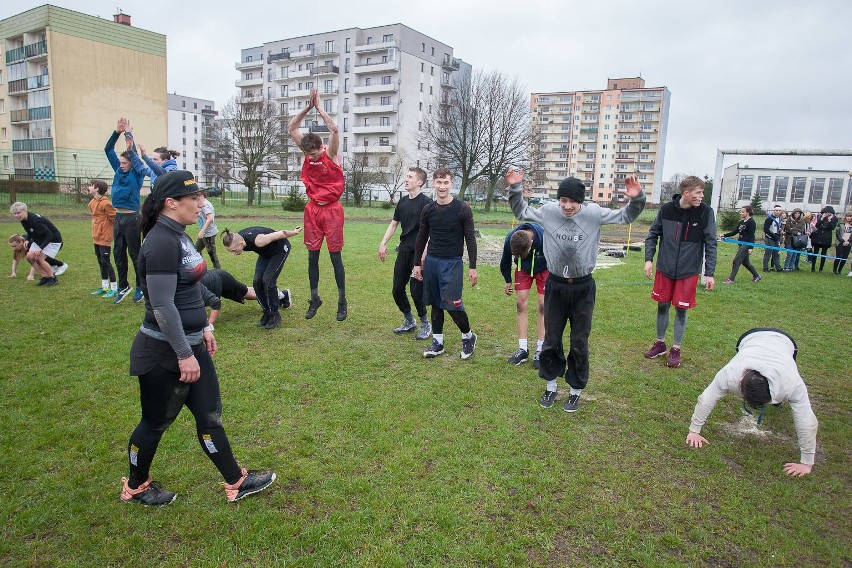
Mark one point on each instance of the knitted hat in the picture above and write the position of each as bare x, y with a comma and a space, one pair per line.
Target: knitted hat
573, 189
174, 184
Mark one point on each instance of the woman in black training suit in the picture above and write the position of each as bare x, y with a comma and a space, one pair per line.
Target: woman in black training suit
172, 351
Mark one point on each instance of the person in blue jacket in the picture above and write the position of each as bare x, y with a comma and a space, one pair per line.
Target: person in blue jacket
127, 231
523, 245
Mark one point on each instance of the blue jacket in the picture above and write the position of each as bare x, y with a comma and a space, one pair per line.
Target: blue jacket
534, 263
149, 167
125, 186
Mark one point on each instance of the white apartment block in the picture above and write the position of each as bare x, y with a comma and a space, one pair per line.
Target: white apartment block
602, 137
378, 84
808, 189
189, 122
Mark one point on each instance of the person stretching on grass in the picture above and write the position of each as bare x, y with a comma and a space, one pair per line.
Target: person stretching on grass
324, 183
221, 284
572, 234
762, 372
407, 214
45, 242
524, 245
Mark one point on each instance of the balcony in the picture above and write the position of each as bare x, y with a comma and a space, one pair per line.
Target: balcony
624, 160
303, 54
375, 149
25, 115
285, 55
376, 46
590, 130
253, 82
450, 63
281, 77
32, 145
593, 100
377, 129
295, 93
240, 66
331, 52
325, 70
329, 92
447, 83
318, 128
378, 88
209, 112
38, 82
36, 49
298, 74
18, 86
374, 109
376, 67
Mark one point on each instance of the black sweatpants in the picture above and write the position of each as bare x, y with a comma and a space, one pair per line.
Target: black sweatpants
567, 303
127, 238
102, 254
162, 396
742, 258
266, 272
401, 278
819, 249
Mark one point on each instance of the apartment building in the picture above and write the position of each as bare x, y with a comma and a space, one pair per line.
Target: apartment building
602, 137
67, 79
808, 189
190, 126
379, 85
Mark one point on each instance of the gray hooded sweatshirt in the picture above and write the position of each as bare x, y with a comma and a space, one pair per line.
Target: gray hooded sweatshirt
771, 354
571, 243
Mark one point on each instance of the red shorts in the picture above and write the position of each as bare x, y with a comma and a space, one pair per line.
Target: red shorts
681, 293
523, 281
324, 221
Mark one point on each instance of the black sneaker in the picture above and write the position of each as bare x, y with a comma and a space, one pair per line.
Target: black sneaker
407, 325
149, 494
313, 306
264, 320
425, 331
342, 310
468, 345
519, 356
285, 300
572, 404
52, 281
43, 281
547, 399
536, 362
435, 350
273, 321
250, 483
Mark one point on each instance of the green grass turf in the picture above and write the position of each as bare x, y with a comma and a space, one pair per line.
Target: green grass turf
387, 459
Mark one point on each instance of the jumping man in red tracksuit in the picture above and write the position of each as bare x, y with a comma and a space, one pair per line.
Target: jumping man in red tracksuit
323, 179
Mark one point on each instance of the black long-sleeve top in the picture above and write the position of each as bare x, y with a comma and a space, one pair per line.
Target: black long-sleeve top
446, 228
40, 230
746, 229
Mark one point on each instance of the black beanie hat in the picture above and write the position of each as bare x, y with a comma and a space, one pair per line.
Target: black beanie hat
573, 189
174, 184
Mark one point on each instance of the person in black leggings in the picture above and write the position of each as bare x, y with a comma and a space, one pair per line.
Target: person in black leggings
172, 352
272, 248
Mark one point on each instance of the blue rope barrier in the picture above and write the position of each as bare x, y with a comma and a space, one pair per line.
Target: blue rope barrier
732, 241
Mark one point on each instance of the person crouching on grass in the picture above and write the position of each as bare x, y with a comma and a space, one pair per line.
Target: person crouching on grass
18, 244
45, 242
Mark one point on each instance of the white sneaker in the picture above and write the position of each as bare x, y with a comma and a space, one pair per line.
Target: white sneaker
60, 270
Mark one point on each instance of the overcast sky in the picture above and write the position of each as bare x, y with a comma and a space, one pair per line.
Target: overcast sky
742, 73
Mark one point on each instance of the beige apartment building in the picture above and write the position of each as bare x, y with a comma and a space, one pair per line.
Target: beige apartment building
601, 137
379, 84
66, 80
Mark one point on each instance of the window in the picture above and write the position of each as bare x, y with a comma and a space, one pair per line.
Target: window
780, 193
366, 121
798, 193
433, 52
385, 141
345, 143
422, 67
329, 46
387, 37
386, 101
346, 65
195, 105
326, 106
345, 125
423, 48
746, 183
346, 85
817, 189
184, 128
348, 41
309, 47
386, 80
183, 104
835, 188
368, 81
763, 183
2, 106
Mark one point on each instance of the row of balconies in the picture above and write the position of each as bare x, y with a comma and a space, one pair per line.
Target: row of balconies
376, 67
25, 115
28, 84
32, 145
36, 49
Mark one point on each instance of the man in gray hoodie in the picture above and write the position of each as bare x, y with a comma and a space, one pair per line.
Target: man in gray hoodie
572, 233
762, 372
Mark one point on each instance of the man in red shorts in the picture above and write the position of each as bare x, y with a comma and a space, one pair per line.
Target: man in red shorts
686, 231
323, 179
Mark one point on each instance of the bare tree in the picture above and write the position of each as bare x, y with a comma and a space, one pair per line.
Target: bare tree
249, 133
453, 135
360, 176
393, 179
535, 156
669, 188
506, 123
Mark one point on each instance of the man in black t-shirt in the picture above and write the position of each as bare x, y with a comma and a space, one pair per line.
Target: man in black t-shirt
446, 224
407, 214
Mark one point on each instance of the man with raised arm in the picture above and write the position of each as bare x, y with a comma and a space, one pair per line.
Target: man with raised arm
572, 234
324, 183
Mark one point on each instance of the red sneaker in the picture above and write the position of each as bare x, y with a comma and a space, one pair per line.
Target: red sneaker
657, 349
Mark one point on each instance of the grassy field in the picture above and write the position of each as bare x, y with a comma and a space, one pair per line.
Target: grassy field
387, 459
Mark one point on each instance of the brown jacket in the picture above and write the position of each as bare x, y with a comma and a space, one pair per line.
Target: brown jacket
103, 217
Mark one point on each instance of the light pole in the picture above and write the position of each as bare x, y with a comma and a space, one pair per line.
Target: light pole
76, 176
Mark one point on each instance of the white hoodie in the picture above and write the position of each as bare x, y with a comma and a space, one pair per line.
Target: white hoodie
771, 354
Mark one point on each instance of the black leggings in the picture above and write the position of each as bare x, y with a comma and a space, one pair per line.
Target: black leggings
819, 249
266, 272
339, 272
162, 396
459, 318
841, 252
401, 278
127, 239
102, 254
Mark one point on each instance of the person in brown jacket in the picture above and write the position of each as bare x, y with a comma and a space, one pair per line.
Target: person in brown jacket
103, 218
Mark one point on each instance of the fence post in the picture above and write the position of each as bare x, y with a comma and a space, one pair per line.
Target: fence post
77, 189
